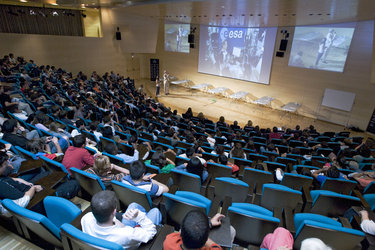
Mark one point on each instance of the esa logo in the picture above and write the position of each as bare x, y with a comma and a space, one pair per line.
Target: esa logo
225, 34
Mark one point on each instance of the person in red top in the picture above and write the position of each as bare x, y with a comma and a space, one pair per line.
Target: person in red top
77, 156
194, 233
274, 134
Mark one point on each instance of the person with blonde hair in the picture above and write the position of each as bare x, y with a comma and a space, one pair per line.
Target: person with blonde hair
106, 170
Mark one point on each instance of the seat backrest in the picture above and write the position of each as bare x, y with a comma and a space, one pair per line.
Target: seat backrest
297, 181
37, 223
247, 221
338, 185
335, 237
128, 194
151, 169
74, 239
370, 189
279, 196
89, 135
209, 156
164, 140
219, 170
258, 157
186, 181
226, 186
89, 182
272, 166
26, 154
177, 207
104, 141
114, 159
60, 210
257, 178
242, 162
332, 204
55, 164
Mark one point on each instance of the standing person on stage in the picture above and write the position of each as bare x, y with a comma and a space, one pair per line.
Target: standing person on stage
157, 82
166, 82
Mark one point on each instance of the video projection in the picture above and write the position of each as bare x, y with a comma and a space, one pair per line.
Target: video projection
176, 37
321, 47
241, 53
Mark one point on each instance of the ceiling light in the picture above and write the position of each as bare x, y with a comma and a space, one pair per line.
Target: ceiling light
83, 6
23, 1
54, 13
54, 4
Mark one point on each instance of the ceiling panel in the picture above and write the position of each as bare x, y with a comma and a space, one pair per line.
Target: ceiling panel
248, 13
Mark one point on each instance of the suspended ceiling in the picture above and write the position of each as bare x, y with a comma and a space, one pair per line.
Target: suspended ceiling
247, 13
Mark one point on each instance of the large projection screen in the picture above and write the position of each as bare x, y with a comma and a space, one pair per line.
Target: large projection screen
240, 53
321, 47
338, 99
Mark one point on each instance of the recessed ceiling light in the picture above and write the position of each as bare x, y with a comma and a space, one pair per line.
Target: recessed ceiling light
23, 1
53, 3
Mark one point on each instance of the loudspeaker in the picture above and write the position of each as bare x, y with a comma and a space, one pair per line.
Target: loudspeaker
279, 54
192, 45
118, 35
191, 38
283, 44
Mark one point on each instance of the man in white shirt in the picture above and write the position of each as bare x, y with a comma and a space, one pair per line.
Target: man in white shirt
136, 227
367, 225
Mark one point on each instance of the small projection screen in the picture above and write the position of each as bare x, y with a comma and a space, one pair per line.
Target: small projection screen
240, 53
176, 37
321, 47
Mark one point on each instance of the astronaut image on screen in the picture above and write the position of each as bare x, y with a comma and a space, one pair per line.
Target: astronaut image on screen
176, 37
234, 52
324, 48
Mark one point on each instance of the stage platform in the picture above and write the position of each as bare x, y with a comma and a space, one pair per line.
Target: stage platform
214, 106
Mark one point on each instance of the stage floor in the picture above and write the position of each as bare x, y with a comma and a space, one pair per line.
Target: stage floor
214, 106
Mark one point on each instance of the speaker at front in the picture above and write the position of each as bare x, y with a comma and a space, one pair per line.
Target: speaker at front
279, 54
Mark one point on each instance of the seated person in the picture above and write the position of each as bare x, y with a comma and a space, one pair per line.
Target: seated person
138, 179
364, 178
280, 239
11, 128
77, 156
190, 152
158, 159
327, 171
194, 232
16, 189
80, 125
194, 166
367, 225
14, 160
237, 151
224, 161
136, 227
37, 147
112, 149
106, 171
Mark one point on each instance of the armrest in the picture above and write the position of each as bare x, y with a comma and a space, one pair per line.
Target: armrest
345, 222
363, 201
307, 200
226, 204
278, 213
29, 165
214, 207
158, 240
289, 220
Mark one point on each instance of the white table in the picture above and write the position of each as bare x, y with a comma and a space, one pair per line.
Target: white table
219, 90
201, 86
239, 95
291, 107
265, 100
180, 82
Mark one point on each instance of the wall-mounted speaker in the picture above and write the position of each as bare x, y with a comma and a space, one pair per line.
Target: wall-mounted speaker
191, 38
279, 54
283, 44
118, 35
192, 45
